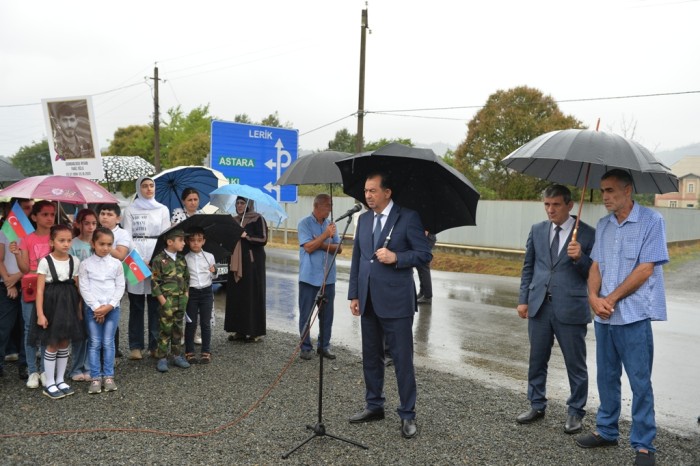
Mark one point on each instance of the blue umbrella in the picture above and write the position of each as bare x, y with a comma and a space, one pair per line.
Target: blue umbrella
225, 199
170, 184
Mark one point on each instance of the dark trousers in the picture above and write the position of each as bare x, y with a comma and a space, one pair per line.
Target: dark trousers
307, 299
542, 329
398, 334
137, 308
199, 308
424, 279
10, 310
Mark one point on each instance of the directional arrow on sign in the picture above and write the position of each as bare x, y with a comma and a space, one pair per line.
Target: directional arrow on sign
270, 164
271, 187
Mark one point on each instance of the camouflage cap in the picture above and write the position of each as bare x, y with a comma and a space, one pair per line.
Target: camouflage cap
175, 233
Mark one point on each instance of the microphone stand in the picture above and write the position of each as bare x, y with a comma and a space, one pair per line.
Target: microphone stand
319, 429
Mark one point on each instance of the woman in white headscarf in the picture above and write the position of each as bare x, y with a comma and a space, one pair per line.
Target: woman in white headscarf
145, 219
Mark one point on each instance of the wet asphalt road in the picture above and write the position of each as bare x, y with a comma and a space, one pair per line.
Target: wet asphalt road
472, 329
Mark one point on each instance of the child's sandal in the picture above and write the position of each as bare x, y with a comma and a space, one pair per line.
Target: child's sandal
205, 358
191, 358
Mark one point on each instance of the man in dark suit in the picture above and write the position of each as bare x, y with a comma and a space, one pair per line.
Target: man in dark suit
554, 299
389, 242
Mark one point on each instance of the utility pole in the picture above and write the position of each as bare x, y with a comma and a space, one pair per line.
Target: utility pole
359, 143
156, 121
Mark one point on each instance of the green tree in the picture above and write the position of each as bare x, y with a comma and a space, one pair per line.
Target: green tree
344, 141
185, 138
508, 120
449, 158
34, 159
132, 140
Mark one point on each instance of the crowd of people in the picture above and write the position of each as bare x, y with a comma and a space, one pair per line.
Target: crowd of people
569, 269
61, 288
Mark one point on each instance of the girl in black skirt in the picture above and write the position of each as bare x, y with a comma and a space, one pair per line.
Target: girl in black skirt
58, 319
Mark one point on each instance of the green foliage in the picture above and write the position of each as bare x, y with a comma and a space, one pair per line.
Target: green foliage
132, 140
314, 189
34, 159
508, 120
184, 139
344, 141
449, 158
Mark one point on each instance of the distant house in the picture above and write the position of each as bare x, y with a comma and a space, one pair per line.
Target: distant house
687, 170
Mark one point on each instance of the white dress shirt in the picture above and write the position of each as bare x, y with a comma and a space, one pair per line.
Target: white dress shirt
101, 281
199, 264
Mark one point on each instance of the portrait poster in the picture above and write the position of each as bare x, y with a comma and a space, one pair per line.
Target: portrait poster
73, 143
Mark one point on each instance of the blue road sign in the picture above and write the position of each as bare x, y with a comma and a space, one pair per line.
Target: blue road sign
254, 155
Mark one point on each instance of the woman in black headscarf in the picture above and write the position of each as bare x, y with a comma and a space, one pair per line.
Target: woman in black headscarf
245, 291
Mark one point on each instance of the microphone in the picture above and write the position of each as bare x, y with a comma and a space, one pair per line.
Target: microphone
354, 210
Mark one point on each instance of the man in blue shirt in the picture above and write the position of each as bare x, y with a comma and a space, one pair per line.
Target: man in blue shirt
318, 241
626, 292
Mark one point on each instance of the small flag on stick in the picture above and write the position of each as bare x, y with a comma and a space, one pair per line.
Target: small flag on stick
135, 269
17, 224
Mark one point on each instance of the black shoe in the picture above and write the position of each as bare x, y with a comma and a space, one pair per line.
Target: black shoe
573, 424
644, 459
23, 373
388, 361
530, 416
593, 440
306, 355
408, 428
367, 416
118, 354
326, 353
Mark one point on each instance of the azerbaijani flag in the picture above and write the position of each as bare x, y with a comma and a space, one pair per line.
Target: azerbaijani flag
135, 269
17, 224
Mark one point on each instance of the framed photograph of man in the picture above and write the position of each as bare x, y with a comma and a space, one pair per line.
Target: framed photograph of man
72, 137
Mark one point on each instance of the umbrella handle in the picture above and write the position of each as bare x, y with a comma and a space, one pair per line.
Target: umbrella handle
574, 235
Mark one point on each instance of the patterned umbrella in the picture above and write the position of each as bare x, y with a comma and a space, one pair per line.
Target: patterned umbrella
125, 168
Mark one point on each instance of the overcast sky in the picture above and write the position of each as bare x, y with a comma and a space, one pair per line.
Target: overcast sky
301, 59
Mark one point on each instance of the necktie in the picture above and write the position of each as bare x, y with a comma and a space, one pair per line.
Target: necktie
554, 249
377, 231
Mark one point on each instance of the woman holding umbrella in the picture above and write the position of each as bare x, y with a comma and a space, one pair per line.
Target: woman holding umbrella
246, 290
145, 219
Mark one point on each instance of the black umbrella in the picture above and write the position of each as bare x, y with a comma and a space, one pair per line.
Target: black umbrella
9, 174
442, 196
316, 168
581, 157
221, 231
573, 156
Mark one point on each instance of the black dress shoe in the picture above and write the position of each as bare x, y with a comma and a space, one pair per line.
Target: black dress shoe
594, 440
408, 428
530, 416
326, 353
573, 424
367, 416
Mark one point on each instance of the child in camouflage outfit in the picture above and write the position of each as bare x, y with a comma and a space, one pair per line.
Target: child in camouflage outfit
170, 284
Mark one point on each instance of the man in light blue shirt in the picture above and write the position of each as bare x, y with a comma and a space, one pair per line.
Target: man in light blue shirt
318, 241
626, 292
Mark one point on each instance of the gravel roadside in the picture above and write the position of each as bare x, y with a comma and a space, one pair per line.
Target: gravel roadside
460, 421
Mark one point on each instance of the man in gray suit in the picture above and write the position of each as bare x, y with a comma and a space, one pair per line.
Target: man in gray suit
554, 299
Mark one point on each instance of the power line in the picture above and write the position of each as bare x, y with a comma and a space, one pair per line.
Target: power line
92, 95
589, 99
328, 124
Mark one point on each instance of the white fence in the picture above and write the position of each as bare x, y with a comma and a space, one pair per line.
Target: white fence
506, 224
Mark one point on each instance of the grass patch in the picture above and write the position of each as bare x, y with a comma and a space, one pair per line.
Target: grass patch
679, 254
